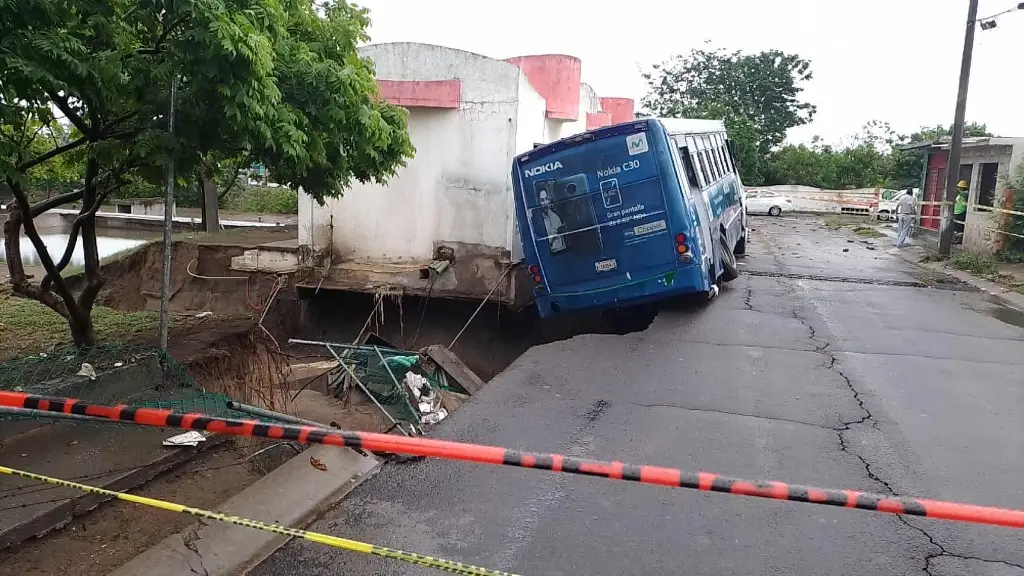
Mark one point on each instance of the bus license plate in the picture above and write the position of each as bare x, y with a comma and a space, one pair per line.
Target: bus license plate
605, 265
648, 228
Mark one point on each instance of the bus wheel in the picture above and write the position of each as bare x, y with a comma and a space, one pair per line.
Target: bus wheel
741, 244
730, 271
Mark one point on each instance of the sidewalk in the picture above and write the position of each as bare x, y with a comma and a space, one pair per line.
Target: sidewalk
922, 253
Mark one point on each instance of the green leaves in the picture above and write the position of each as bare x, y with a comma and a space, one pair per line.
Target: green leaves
756, 94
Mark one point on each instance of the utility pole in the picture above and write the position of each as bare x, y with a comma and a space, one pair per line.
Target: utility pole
955, 147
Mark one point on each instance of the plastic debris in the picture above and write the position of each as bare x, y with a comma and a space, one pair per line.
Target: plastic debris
427, 399
87, 370
191, 438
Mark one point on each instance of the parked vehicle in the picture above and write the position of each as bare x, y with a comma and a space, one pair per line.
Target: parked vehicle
629, 214
887, 203
767, 202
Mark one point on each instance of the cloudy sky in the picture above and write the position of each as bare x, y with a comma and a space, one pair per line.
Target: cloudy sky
892, 60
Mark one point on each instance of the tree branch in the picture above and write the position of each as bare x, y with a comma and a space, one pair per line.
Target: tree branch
44, 256
62, 103
234, 180
26, 166
51, 203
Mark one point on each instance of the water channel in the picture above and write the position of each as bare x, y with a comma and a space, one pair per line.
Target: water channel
109, 242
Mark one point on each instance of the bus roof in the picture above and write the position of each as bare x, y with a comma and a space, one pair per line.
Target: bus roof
672, 126
691, 125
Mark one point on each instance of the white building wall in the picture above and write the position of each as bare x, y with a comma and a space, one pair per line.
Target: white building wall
531, 129
589, 103
531, 117
456, 188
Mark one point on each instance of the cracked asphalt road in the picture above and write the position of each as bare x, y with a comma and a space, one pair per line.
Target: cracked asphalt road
847, 384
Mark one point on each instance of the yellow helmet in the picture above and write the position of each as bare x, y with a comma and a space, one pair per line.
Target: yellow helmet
963, 185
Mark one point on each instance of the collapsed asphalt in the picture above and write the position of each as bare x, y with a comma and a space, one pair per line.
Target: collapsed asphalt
860, 381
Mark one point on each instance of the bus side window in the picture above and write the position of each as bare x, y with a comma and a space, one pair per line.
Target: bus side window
691, 173
730, 148
709, 156
720, 151
727, 156
713, 149
695, 159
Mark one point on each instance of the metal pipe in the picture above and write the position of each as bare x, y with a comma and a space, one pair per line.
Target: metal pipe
257, 411
401, 389
165, 281
27, 412
342, 346
363, 388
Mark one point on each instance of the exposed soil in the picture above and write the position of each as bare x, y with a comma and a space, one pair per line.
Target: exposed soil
116, 532
230, 351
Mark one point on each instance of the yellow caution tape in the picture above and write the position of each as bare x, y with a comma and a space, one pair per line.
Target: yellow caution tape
334, 541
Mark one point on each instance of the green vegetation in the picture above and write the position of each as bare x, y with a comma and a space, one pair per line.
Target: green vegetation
759, 98
976, 264
833, 223
1013, 247
867, 232
26, 326
262, 200
84, 107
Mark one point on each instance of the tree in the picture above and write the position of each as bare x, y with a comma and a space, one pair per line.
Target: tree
279, 81
755, 93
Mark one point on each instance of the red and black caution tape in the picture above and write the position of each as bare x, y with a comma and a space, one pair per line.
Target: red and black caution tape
326, 539
670, 477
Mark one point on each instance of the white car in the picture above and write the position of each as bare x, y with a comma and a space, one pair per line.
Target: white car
767, 202
887, 203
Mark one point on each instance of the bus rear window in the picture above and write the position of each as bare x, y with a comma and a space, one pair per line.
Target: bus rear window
564, 216
572, 192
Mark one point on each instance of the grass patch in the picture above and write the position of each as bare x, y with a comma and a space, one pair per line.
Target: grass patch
867, 232
974, 263
27, 327
833, 223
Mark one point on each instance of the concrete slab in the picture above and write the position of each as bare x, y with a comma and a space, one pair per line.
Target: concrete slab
292, 495
455, 368
106, 456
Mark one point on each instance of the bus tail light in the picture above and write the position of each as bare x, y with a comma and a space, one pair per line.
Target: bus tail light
681, 248
535, 274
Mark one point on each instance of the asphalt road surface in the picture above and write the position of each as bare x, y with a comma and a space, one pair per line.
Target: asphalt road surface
820, 366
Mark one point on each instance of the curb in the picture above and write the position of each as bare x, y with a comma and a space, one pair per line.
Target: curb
292, 495
1005, 296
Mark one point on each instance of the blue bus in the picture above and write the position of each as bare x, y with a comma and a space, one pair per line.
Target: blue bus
629, 214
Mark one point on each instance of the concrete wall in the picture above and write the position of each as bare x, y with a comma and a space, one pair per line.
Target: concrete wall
456, 187
469, 115
980, 230
810, 199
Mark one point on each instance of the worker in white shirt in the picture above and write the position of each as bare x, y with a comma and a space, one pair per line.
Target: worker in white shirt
906, 209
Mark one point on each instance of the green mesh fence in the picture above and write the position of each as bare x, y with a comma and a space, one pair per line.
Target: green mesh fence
113, 373
382, 371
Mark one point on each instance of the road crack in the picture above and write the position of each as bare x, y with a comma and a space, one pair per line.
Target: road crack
740, 414
189, 539
822, 347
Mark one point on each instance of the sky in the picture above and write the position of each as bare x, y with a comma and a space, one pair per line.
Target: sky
892, 60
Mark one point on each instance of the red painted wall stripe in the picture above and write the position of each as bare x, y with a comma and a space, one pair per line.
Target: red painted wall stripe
428, 447
422, 93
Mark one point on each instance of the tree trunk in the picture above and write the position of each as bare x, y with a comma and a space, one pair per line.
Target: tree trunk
82, 332
53, 291
211, 208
